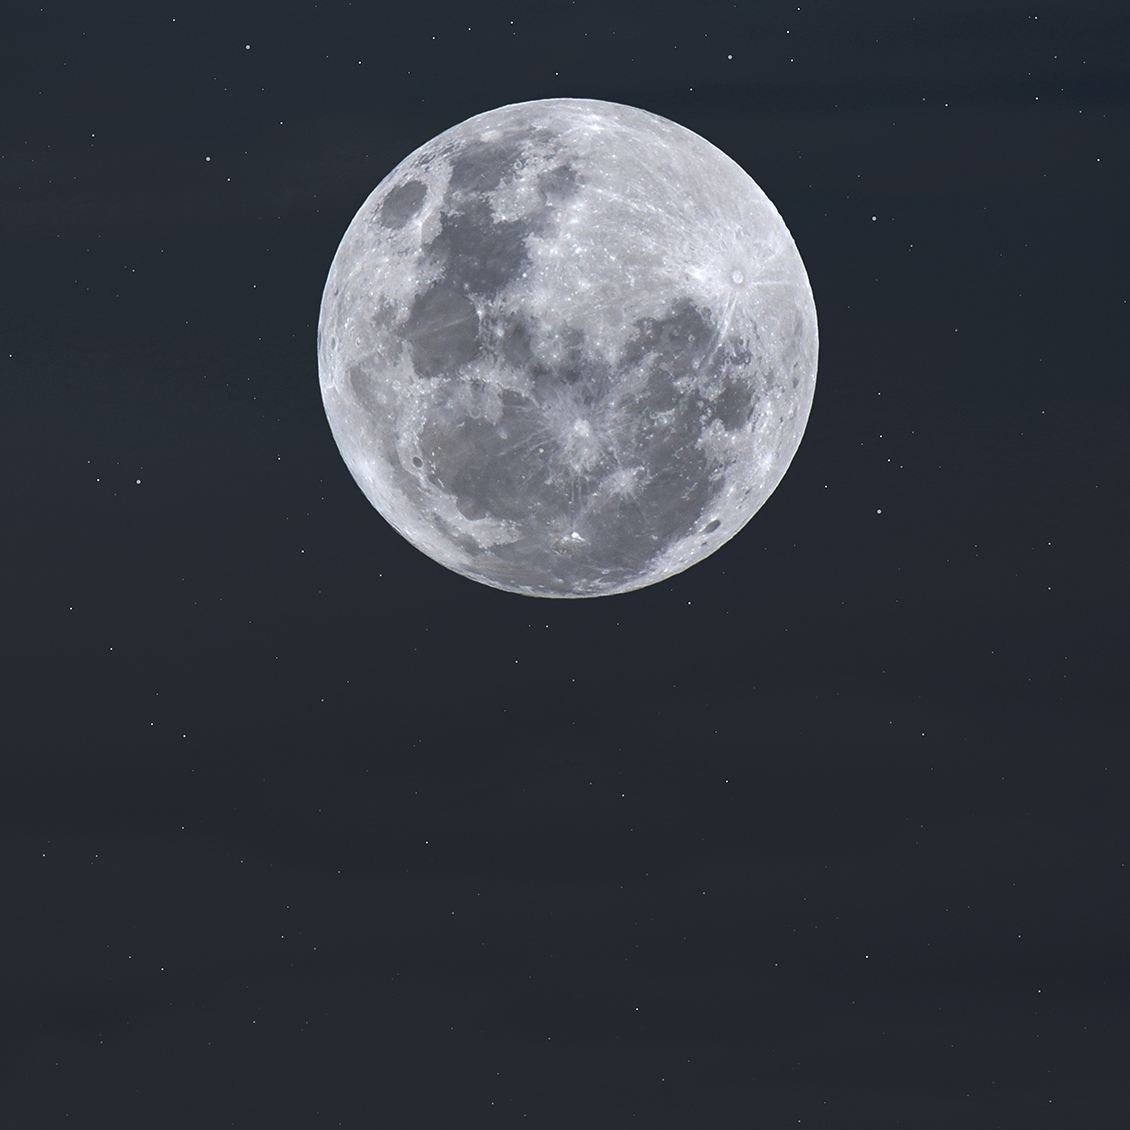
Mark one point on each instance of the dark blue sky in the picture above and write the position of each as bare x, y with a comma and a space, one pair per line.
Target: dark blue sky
301, 830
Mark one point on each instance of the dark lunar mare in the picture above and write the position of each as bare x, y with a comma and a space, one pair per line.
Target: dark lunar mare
474, 255
512, 470
402, 203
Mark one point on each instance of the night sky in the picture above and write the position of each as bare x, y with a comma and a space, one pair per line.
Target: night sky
299, 829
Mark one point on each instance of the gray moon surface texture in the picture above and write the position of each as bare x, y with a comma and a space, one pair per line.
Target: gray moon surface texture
567, 348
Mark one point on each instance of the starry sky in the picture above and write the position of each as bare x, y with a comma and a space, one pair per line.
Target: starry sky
300, 829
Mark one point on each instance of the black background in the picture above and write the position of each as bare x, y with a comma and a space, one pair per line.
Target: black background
299, 829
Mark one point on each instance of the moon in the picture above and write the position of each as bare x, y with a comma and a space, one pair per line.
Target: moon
567, 348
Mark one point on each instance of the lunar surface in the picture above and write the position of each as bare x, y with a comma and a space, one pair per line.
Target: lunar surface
567, 348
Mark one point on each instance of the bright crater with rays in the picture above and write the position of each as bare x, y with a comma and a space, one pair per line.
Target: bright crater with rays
567, 348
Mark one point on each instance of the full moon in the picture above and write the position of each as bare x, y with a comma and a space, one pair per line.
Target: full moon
567, 348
